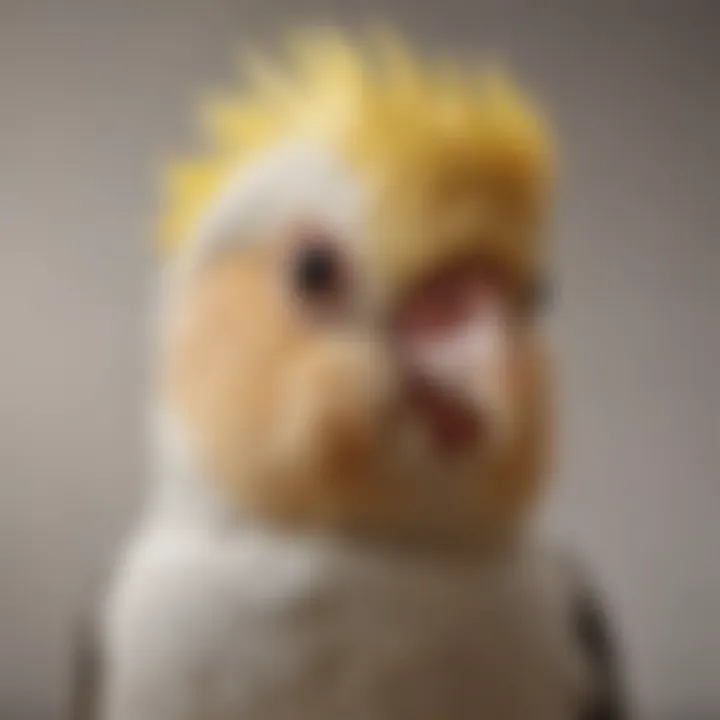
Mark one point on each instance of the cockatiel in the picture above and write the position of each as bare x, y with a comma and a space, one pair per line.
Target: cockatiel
352, 414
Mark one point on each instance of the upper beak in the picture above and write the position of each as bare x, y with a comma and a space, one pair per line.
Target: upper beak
452, 342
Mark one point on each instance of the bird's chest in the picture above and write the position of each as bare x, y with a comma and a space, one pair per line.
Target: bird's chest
379, 641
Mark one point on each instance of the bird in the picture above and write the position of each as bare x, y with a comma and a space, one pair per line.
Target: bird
351, 413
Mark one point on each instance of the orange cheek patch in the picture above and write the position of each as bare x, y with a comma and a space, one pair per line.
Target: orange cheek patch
514, 487
222, 356
230, 352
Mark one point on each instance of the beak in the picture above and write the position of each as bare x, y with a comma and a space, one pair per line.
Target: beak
469, 356
453, 343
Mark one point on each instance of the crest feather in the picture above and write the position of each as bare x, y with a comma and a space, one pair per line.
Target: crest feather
378, 105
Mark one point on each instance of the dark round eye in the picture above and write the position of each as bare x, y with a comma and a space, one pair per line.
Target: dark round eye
317, 271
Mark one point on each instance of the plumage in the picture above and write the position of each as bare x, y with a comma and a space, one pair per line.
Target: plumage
271, 627
353, 414
412, 128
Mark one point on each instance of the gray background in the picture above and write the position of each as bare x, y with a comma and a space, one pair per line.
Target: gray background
92, 97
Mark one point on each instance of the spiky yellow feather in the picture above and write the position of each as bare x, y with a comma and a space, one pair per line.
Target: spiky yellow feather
397, 119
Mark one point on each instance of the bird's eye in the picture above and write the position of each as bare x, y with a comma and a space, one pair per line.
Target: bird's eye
319, 275
317, 270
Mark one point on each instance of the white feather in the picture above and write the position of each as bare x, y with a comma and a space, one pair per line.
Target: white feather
258, 626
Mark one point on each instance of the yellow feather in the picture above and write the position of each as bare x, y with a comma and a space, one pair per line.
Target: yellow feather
398, 120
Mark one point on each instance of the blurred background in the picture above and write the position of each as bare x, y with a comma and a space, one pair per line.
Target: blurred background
94, 95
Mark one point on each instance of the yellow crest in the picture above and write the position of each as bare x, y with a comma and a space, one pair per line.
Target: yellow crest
392, 115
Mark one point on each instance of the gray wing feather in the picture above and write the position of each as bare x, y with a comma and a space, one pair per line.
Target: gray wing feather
85, 672
599, 645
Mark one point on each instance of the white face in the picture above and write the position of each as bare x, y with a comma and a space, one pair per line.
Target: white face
416, 408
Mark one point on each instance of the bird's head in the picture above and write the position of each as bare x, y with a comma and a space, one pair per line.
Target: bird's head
348, 333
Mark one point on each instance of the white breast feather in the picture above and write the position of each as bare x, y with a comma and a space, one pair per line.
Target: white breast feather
261, 627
